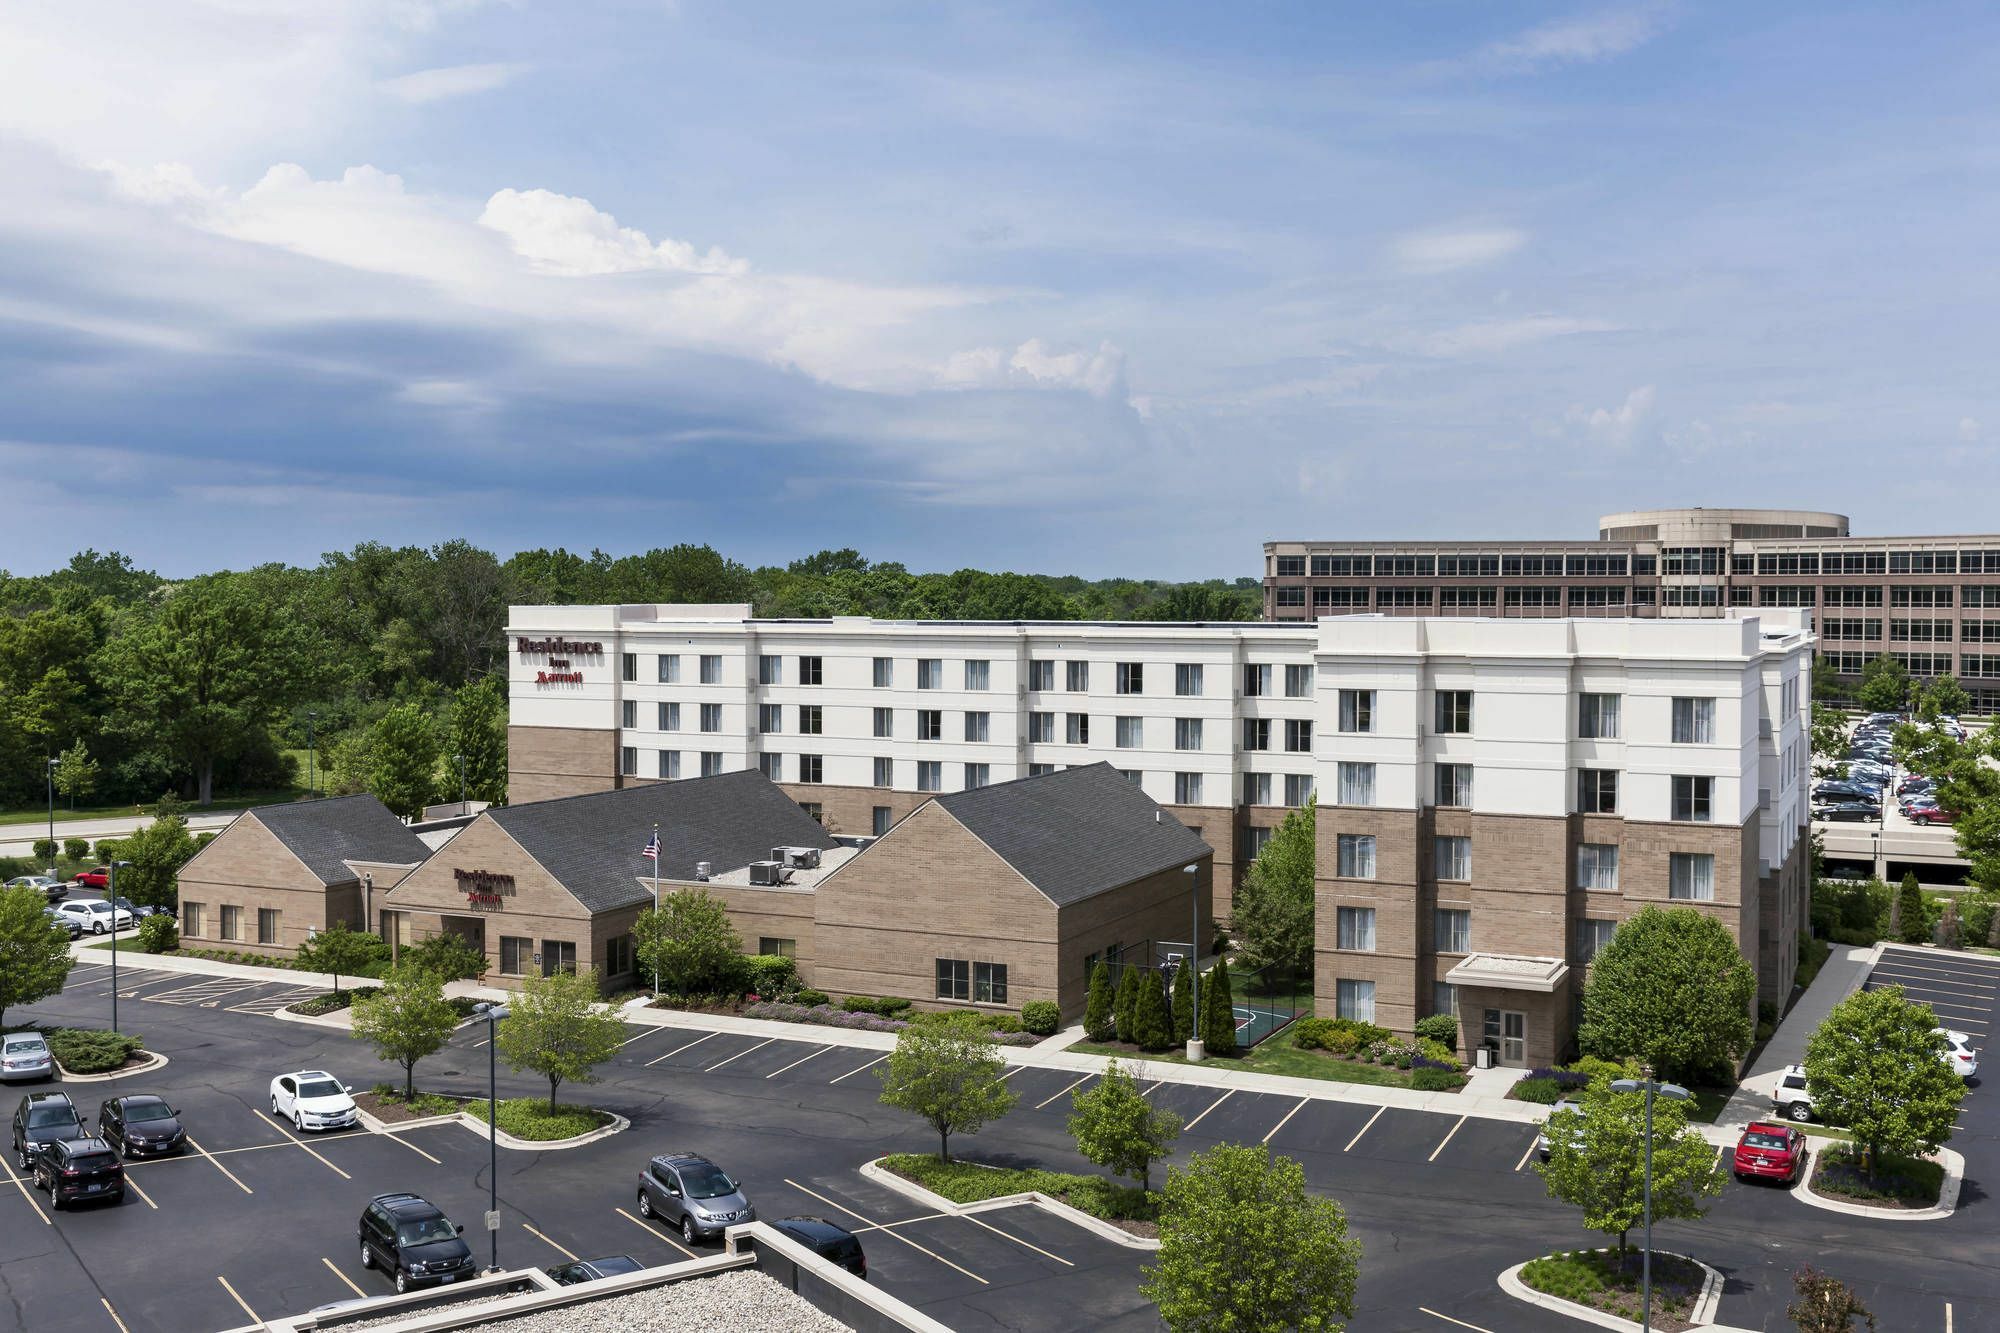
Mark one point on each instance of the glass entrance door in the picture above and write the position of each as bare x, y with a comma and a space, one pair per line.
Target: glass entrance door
1513, 1039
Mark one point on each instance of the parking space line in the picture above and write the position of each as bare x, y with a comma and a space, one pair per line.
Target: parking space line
1010, 1073
142, 1192
1421, 1309
114, 1315
649, 1032
1447, 1137
1288, 1115
908, 1221
1919, 979
219, 1166
1719, 1148
801, 1060
280, 1126
1526, 1153
239, 1300
1364, 1129
871, 1064
18, 1184
739, 1055
539, 1236
394, 1137
1155, 1088
1211, 1106
678, 1049
898, 1235
343, 1277
655, 1232
1947, 1317
1079, 1083
981, 1222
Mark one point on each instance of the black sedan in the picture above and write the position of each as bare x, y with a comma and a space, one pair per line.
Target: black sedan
829, 1240
141, 1125
1850, 811
589, 1270
1842, 791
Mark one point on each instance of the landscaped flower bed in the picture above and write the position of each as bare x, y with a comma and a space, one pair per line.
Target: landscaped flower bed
330, 1002
1124, 1206
1897, 1182
91, 1050
386, 1103
1605, 1280
827, 1015
530, 1118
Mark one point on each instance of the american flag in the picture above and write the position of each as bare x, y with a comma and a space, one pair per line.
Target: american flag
652, 851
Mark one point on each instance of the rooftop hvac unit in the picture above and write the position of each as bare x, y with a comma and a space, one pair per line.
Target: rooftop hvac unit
797, 858
767, 873
702, 870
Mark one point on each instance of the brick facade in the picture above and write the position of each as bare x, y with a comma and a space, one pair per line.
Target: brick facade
547, 762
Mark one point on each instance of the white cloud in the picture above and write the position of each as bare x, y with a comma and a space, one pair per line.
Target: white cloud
1968, 429
1578, 41
1492, 336
435, 85
560, 233
1443, 251
1616, 426
1033, 364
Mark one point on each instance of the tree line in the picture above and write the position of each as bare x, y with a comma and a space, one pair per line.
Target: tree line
389, 661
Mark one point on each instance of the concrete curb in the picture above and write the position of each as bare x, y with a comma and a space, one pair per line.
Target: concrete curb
1703, 1313
881, 1175
154, 1060
1947, 1204
318, 1020
374, 1124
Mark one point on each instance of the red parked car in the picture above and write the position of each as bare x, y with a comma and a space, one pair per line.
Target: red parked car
1770, 1151
1925, 812
97, 877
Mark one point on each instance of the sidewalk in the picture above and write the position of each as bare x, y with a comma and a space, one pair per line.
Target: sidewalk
1844, 971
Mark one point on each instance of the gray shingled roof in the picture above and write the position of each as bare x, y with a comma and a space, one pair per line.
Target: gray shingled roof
592, 843
324, 834
1076, 833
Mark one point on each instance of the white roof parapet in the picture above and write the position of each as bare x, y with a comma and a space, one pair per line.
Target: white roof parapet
1504, 971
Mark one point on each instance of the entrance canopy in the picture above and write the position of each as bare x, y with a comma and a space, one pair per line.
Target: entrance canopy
1506, 971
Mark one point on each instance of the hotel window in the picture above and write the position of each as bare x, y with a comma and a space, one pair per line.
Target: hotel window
1356, 927
1597, 866
628, 762
1919, 596
191, 919
617, 955
670, 717
989, 983
1921, 631
1256, 840
1597, 791
232, 923
1452, 856
1454, 786
881, 819
812, 768
1454, 712
670, 764
1354, 855
1187, 789
1592, 934
1298, 789
977, 776
1076, 677
1357, 710
954, 979
978, 672
885, 722
812, 670
1444, 998
885, 672
1131, 678
1692, 798
885, 772
1451, 930
930, 673
711, 668
770, 669
809, 720
711, 763
773, 947
1291, 566
1256, 733
930, 775
1694, 722
1402, 597
1597, 716
1040, 770
711, 717
1041, 675
1256, 680
1477, 598
1691, 876
1298, 736
930, 724
670, 669
267, 925
517, 955
1357, 784
1133, 776
770, 718
1129, 733
628, 664
1298, 682
1076, 728
1187, 679
1041, 728
772, 766
1354, 1000
628, 713
1187, 733
977, 726
1256, 789
814, 811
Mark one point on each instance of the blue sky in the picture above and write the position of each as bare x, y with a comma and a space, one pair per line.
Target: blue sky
1114, 289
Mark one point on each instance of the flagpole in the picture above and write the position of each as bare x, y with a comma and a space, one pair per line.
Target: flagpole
656, 907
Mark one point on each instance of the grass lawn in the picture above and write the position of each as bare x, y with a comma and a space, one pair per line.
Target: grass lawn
530, 1118
1708, 1103
1275, 1056
221, 805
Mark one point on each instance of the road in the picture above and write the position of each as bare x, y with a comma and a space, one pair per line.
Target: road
19, 839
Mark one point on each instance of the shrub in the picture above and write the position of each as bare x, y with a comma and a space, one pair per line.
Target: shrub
1437, 1053
1152, 1025
108, 849
1590, 1069
1098, 1021
530, 1118
447, 957
1545, 1091
887, 1005
158, 934
76, 848
1440, 1028
770, 975
810, 997
1432, 1079
89, 1051
1041, 1017
1310, 1034
332, 1000
45, 852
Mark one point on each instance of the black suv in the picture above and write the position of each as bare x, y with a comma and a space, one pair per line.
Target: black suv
79, 1169
830, 1241
43, 1118
412, 1241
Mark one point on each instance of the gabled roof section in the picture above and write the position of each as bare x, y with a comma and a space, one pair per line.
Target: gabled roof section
326, 834
1076, 833
593, 843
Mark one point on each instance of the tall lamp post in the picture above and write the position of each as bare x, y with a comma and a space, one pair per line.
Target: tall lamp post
111, 892
1196, 1049
1679, 1094
52, 813
493, 1014
312, 756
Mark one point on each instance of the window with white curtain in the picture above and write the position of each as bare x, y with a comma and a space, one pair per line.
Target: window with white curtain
1256, 789
1354, 855
1691, 876
1592, 934
1597, 865
1451, 930
1356, 926
1130, 733
1187, 679
1694, 721
1454, 786
1453, 856
1187, 733
1357, 783
1354, 1000
978, 671
1357, 710
1187, 789
1597, 717
1298, 789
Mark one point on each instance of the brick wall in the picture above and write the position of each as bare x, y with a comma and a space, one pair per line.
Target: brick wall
1158, 907
546, 762
247, 867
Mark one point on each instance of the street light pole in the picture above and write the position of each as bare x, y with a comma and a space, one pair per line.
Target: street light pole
1195, 1047
312, 756
1679, 1094
494, 1013
111, 892
52, 813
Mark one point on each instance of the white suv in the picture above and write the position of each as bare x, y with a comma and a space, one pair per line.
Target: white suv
313, 1099
1790, 1098
1959, 1053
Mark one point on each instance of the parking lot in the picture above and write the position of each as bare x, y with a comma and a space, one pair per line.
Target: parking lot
1961, 989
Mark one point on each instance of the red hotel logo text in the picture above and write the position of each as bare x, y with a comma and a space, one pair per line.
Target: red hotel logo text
483, 887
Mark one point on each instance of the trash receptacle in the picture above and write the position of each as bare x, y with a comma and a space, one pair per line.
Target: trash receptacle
1483, 1057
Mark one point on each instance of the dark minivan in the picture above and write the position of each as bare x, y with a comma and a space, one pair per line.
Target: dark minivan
79, 1170
413, 1241
833, 1243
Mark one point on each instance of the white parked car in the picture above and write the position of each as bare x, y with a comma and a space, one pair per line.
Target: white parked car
1542, 1139
1791, 1098
48, 886
95, 915
1959, 1053
313, 1099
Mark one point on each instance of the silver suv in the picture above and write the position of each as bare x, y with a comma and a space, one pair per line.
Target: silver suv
693, 1193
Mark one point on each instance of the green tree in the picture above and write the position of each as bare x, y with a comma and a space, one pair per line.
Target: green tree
34, 951
689, 944
1912, 922
1218, 1025
1273, 914
339, 951
1827, 737
76, 773
1876, 1066
1183, 1004
1673, 990
1885, 685
1943, 696
1968, 779
404, 771
1245, 1248
405, 1020
157, 853
1099, 1023
1152, 1026
45, 851
555, 1027
1125, 999
1597, 1161
447, 957
479, 735
1120, 1130
1825, 1304
949, 1073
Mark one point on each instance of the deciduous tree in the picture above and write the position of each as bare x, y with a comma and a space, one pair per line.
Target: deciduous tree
1120, 1130
689, 944
339, 951
556, 1027
1876, 1066
76, 773
1826, 1305
948, 1073
34, 951
403, 773
1273, 914
157, 852
406, 1019
1885, 684
1597, 1161
479, 734
1672, 989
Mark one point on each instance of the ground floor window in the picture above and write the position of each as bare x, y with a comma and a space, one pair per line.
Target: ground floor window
515, 955
267, 925
191, 919
1355, 1000
617, 955
772, 946
558, 956
989, 983
232, 923
954, 979
1444, 998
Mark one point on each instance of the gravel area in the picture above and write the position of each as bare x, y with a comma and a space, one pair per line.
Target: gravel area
743, 1301
401, 1315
